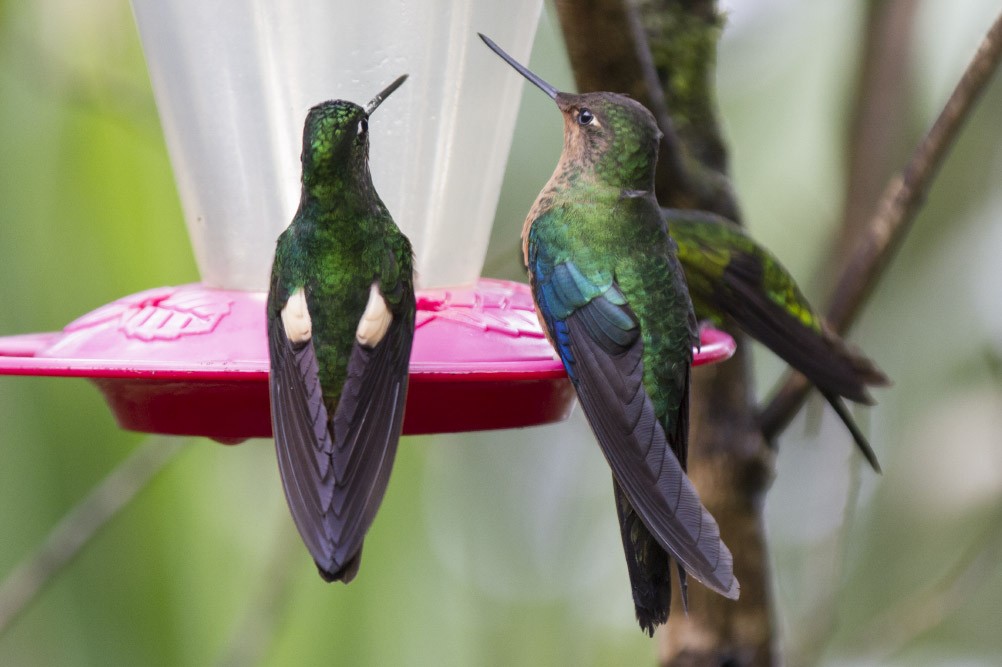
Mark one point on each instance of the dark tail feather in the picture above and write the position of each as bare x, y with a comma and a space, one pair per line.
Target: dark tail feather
344, 574
861, 442
866, 372
827, 360
648, 565
683, 587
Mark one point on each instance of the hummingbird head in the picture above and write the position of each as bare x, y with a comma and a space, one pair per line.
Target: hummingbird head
336, 139
612, 136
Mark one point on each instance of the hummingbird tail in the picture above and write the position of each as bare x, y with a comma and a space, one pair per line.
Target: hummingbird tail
842, 410
648, 565
345, 573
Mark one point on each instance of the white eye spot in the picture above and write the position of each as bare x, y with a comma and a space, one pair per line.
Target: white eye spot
363, 126
375, 320
296, 318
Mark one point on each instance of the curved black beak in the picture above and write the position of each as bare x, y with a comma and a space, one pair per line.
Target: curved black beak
522, 69
383, 94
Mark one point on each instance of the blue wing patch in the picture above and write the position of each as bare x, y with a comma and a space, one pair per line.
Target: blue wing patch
562, 289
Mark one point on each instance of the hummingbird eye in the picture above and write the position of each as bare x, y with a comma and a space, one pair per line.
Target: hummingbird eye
363, 126
585, 117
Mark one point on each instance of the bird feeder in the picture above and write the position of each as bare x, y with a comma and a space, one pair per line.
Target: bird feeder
233, 83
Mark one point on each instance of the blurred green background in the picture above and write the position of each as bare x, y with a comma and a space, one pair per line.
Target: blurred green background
501, 548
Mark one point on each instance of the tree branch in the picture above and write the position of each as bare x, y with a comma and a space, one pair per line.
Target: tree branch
899, 204
876, 135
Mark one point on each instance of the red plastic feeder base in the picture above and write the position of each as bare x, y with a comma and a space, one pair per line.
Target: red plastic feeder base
192, 360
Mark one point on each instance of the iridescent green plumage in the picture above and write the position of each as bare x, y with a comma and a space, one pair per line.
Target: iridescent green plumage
707, 244
340, 314
732, 278
612, 296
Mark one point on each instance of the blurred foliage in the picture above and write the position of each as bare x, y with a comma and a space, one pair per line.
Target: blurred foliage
502, 548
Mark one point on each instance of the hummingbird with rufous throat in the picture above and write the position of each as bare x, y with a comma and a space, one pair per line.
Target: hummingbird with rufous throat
613, 300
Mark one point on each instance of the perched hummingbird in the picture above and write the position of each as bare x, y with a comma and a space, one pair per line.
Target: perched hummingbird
340, 325
732, 277
613, 300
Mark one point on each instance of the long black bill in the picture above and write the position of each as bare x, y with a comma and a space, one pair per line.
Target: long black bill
383, 94
522, 69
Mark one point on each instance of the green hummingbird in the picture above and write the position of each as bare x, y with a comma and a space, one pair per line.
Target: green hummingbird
731, 277
340, 316
612, 297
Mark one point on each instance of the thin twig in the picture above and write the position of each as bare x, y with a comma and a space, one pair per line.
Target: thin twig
901, 201
75, 530
877, 138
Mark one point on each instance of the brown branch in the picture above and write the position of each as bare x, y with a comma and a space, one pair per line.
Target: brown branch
729, 462
877, 140
901, 201
75, 530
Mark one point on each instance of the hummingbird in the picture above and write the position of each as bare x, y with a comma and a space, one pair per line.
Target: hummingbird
340, 315
612, 298
732, 277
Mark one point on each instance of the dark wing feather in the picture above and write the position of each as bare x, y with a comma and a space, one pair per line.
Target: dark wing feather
731, 274
302, 441
366, 427
335, 471
601, 347
610, 389
842, 410
825, 359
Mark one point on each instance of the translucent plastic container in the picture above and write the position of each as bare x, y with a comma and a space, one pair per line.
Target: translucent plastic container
233, 82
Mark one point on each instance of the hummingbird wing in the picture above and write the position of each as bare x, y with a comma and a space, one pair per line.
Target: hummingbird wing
740, 278
335, 468
598, 338
302, 439
731, 275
